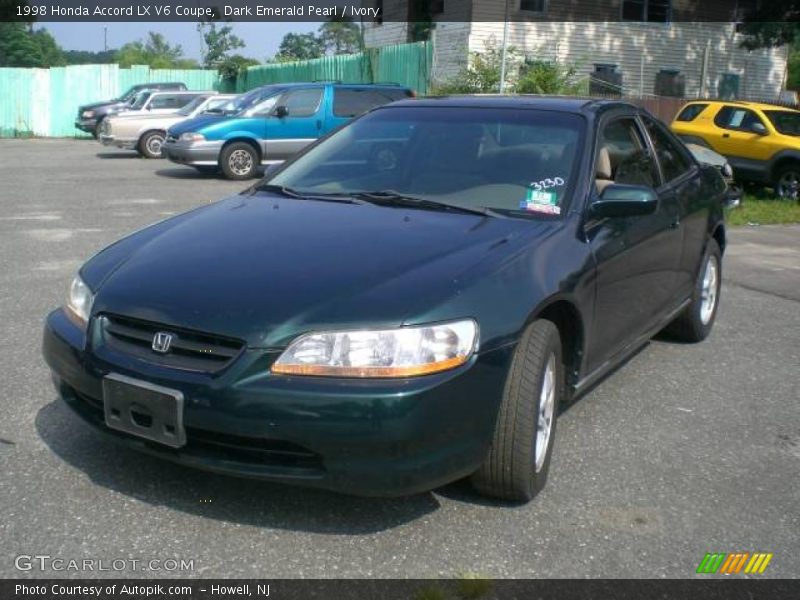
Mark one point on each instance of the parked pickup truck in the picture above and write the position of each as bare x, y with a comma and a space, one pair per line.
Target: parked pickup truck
91, 115
145, 133
270, 124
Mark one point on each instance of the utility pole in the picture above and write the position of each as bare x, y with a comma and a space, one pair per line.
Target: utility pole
105, 39
504, 51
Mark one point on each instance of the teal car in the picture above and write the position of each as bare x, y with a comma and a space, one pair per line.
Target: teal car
270, 124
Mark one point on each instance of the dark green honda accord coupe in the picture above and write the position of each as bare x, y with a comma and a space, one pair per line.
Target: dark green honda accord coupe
405, 303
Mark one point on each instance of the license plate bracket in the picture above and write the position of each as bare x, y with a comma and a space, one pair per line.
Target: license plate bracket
144, 409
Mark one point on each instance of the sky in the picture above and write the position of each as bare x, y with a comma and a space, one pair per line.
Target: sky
261, 39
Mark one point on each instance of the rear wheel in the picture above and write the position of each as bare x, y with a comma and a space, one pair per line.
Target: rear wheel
239, 161
518, 462
695, 322
151, 143
787, 182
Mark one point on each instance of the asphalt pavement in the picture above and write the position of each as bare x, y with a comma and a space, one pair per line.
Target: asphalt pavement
685, 449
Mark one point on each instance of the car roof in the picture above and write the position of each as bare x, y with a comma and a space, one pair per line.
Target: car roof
532, 102
297, 84
745, 104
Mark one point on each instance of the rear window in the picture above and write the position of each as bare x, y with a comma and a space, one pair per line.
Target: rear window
690, 113
351, 102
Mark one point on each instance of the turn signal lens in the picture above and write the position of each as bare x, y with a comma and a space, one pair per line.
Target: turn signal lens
403, 352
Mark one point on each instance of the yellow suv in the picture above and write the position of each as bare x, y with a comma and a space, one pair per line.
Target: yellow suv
761, 141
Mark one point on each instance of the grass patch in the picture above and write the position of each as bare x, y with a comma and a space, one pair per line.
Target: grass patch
761, 209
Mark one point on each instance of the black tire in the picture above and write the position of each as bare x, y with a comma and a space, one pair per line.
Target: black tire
510, 470
787, 182
97, 125
151, 144
239, 161
695, 322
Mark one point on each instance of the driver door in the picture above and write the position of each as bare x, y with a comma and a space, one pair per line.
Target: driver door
301, 125
636, 257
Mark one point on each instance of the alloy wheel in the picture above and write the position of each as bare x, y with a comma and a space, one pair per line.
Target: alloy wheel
708, 291
544, 418
240, 162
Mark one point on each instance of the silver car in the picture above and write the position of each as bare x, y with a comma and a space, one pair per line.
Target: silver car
144, 130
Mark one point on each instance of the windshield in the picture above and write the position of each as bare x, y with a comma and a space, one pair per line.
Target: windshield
246, 101
128, 96
518, 161
140, 100
192, 106
785, 121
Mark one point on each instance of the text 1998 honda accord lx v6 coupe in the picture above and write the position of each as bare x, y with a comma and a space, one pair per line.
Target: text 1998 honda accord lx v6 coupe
403, 304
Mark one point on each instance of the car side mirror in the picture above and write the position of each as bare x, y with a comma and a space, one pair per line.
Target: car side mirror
759, 129
281, 111
619, 200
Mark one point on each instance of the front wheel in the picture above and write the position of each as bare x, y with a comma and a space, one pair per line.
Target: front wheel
518, 462
239, 161
151, 144
695, 322
787, 182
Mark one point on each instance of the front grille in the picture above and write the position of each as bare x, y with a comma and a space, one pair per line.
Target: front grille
189, 350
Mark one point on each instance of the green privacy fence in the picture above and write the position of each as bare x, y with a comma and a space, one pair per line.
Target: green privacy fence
44, 102
406, 64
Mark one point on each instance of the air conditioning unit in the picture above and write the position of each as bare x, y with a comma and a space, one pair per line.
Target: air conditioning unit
670, 82
606, 80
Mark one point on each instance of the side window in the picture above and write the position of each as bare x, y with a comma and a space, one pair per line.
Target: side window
736, 118
302, 103
623, 156
263, 107
691, 112
674, 162
351, 102
168, 101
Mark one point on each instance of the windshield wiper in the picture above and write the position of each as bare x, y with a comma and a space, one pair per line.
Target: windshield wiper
288, 192
393, 198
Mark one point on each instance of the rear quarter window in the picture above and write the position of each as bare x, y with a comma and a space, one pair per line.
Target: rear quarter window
351, 102
691, 112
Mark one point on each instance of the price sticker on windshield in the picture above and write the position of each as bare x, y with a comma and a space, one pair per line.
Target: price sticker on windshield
541, 201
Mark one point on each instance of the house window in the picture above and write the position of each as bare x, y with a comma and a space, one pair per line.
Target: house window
437, 7
536, 6
652, 11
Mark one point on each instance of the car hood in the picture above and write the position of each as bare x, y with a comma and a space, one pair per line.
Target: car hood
96, 105
264, 268
196, 123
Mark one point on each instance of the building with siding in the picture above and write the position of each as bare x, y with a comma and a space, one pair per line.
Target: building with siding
678, 47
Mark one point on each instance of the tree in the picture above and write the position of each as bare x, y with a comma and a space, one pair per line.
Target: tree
219, 43
231, 66
19, 47
86, 57
483, 73
52, 54
549, 77
156, 52
774, 23
299, 46
340, 35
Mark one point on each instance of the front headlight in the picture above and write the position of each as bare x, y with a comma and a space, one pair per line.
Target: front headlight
79, 301
403, 352
88, 114
192, 137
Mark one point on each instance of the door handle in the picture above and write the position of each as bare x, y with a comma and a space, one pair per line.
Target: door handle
319, 124
726, 135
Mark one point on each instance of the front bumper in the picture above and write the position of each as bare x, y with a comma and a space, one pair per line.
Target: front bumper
87, 125
200, 154
363, 437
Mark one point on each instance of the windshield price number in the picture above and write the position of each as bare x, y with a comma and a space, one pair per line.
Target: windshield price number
546, 184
